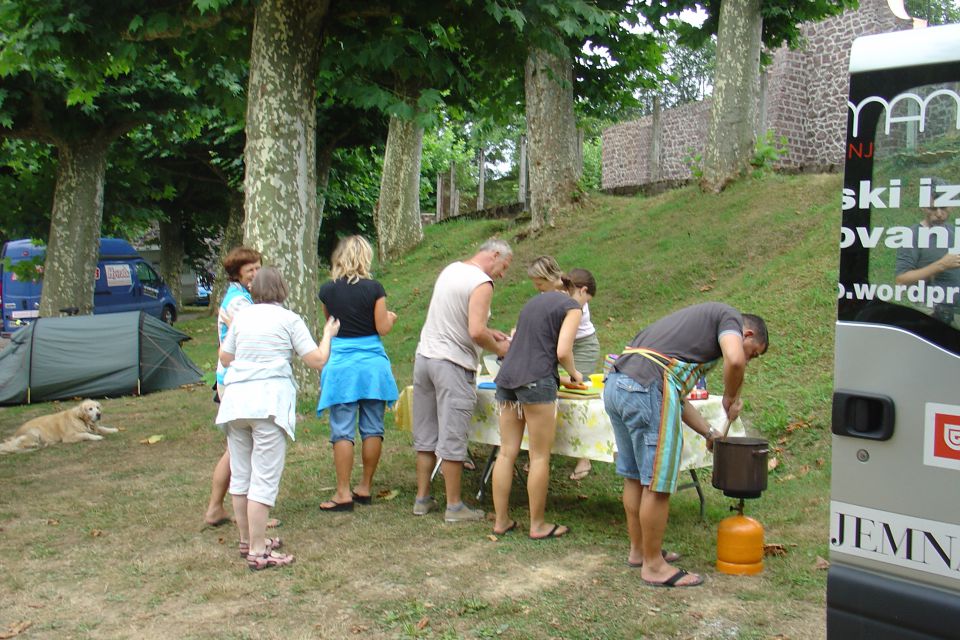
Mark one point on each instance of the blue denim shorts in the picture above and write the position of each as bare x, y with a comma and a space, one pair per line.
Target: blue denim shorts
634, 411
539, 391
343, 419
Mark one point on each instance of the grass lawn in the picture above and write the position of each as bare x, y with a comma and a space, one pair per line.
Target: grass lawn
104, 539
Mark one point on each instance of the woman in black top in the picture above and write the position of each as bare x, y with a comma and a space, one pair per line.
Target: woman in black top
527, 385
357, 383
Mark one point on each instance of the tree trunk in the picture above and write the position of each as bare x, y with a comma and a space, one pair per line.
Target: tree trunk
731, 137
171, 256
280, 184
324, 164
232, 237
552, 134
74, 244
398, 214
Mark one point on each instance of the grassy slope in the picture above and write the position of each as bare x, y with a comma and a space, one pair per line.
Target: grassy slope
107, 536
764, 246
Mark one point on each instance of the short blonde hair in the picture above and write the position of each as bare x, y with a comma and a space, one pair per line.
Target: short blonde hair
351, 259
268, 286
545, 268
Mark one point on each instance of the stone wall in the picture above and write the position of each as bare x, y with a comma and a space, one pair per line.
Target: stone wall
804, 98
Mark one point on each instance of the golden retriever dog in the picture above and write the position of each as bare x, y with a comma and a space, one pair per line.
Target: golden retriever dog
82, 422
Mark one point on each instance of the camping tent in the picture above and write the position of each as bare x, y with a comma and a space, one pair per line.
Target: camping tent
93, 356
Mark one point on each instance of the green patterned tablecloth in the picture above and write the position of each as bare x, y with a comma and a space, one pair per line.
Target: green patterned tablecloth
584, 431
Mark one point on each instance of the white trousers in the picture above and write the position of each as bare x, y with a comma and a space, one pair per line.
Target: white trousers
258, 449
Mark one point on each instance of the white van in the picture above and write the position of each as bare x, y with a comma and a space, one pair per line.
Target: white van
895, 494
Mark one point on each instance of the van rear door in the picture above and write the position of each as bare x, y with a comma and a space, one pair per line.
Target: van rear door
895, 494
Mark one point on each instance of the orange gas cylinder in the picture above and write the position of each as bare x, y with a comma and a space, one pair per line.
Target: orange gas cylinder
739, 546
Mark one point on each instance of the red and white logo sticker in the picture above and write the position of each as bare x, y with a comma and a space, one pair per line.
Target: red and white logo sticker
941, 441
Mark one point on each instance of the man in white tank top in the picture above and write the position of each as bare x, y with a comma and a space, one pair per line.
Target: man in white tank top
454, 335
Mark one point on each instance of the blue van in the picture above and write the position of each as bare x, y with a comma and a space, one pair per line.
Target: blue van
124, 282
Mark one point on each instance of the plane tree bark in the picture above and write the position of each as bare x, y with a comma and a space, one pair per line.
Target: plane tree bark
73, 245
732, 134
552, 132
397, 215
280, 185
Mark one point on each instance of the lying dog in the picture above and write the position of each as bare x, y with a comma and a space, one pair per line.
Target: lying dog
72, 425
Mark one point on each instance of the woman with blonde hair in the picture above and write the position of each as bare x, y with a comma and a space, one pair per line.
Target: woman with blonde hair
258, 408
545, 274
357, 383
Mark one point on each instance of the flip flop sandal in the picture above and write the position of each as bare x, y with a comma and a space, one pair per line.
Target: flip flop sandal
272, 545
513, 525
337, 506
668, 556
672, 581
359, 499
552, 533
268, 560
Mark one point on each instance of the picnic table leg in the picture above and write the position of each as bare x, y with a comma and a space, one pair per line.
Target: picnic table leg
696, 485
487, 472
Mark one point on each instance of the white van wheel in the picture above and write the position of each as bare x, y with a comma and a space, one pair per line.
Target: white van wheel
168, 315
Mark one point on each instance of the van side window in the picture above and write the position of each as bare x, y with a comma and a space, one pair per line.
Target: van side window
901, 202
147, 276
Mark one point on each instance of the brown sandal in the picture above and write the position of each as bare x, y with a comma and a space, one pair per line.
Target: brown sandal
272, 545
268, 560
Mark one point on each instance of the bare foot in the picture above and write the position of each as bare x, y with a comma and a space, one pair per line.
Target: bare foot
217, 517
582, 470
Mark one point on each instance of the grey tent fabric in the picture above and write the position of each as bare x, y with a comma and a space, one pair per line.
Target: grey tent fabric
93, 356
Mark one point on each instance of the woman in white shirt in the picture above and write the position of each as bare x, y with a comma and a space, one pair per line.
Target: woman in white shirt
258, 407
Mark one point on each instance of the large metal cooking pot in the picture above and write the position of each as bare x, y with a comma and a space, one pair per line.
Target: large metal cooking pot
740, 466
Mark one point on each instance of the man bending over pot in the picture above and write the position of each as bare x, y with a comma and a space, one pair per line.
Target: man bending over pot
644, 397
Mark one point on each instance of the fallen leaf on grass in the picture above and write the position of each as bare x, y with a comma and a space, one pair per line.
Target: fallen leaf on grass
357, 628
492, 538
774, 549
582, 496
820, 462
96, 533
388, 494
221, 540
16, 629
787, 478
772, 464
821, 564
121, 428
799, 424
35, 605
424, 621
53, 523
804, 470
154, 439
706, 288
